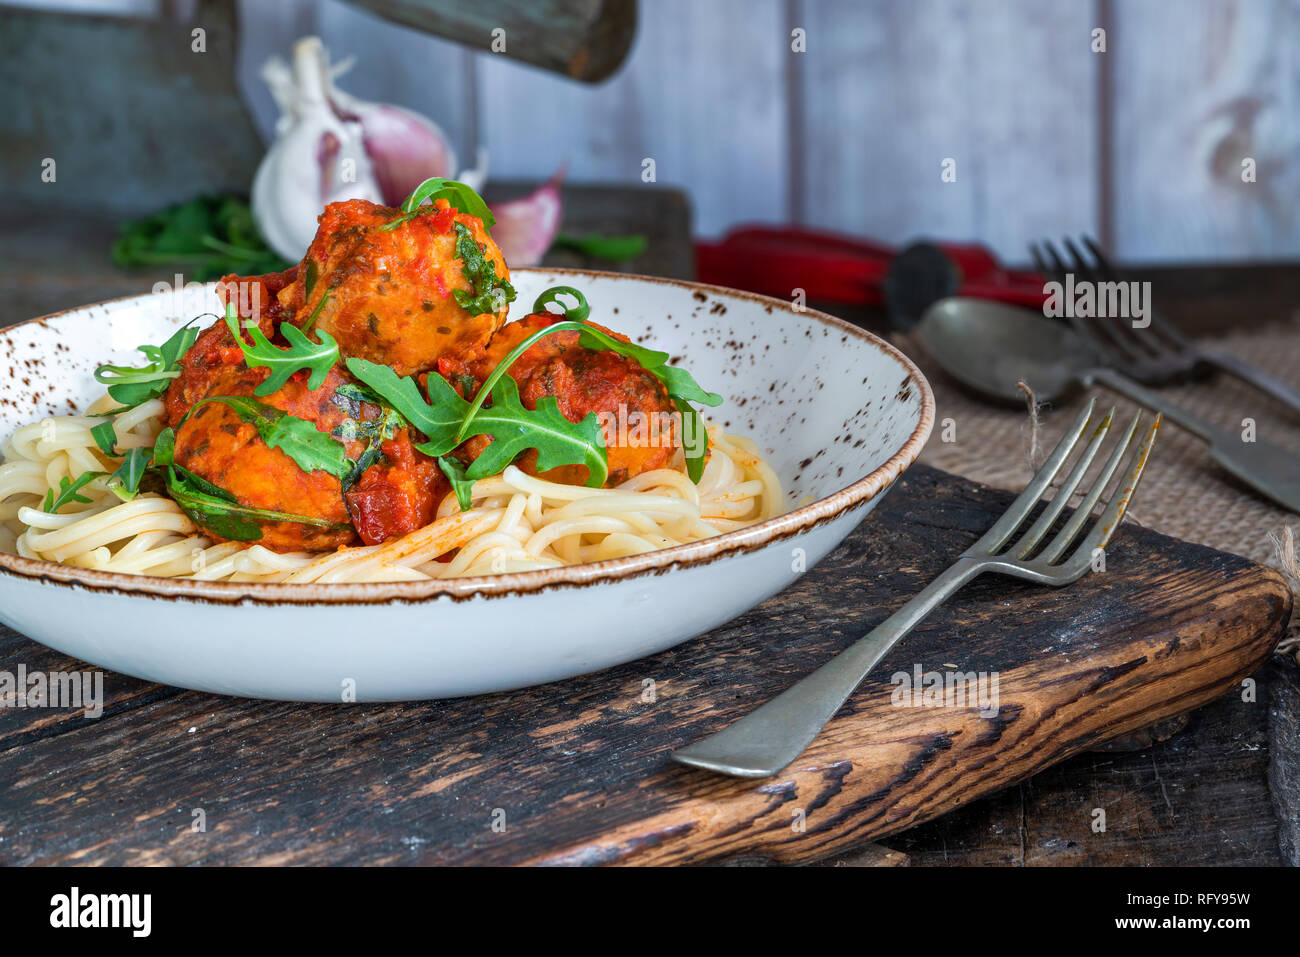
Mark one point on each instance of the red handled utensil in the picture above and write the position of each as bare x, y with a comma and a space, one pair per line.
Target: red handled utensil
833, 267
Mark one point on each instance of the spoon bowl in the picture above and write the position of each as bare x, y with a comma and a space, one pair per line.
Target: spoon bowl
989, 347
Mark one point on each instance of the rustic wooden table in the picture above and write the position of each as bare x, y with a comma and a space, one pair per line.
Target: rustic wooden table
1223, 790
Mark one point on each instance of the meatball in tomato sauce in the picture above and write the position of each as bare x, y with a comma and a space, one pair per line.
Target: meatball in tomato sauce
397, 491
385, 284
638, 419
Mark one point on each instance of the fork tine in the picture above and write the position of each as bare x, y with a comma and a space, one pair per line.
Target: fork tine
1118, 504
1049, 261
1122, 339
1158, 324
1057, 546
1057, 269
1081, 264
1031, 538
1004, 527
1099, 269
1106, 266
1040, 261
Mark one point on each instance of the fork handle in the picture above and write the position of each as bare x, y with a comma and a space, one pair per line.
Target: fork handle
1252, 375
770, 737
1115, 382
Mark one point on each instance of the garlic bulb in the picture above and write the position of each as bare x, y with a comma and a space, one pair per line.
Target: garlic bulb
317, 158
330, 146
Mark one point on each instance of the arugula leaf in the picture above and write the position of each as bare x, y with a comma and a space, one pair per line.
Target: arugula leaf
210, 507
460, 196
209, 236
164, 447
577, 313
612, 248
680, 385
374, 432
105, 437
491, 292
515, 429
311, 272
125, 482
302, 353
68, 492
447, 419
213, 508
134, 385
315, 313
311, 449
461, 484
439, 419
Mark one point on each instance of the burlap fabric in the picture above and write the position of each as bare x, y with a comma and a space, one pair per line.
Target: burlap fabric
1184, 493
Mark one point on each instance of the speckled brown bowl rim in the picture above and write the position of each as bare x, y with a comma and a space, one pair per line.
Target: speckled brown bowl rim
754, 537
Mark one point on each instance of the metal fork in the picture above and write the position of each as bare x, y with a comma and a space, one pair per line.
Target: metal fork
769, 738
1157, 353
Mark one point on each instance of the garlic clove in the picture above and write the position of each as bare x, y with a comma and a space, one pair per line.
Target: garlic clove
404, 150
526, 227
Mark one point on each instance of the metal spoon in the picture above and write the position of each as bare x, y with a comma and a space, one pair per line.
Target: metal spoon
989, 347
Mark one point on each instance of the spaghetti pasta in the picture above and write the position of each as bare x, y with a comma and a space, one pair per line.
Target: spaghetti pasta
517, 521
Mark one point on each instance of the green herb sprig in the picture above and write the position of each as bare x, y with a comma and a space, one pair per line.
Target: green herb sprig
460, 481
311, 449
133, 385
611, 248
446, 420
69, 492
207, 237
302, 353
125, 481
457, 194
373, 432
578, 312
490, 293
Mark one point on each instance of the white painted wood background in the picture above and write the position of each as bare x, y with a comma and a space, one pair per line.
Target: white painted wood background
851, 134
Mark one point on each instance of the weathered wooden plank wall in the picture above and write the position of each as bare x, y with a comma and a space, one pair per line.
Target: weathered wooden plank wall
702, 95
1142, 144
1007, 90
1199, 87
849, 134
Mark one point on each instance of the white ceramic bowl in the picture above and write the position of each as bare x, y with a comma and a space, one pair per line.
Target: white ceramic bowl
839, 413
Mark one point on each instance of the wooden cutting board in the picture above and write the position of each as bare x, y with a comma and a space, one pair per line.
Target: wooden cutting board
578, 772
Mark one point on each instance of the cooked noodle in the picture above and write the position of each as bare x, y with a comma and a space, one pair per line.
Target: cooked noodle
518, 522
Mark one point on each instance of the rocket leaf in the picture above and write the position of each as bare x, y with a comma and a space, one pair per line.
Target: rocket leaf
320, 357
311, 449
134, 385
516, 429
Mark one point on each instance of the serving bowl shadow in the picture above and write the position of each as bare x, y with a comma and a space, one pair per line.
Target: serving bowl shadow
839, 413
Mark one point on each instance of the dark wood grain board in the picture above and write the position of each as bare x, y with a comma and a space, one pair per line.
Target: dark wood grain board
578, 771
